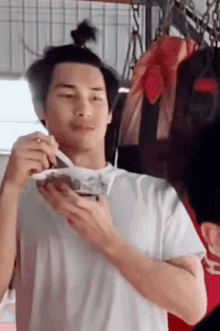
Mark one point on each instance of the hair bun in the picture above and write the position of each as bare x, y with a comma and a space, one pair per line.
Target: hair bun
84, 33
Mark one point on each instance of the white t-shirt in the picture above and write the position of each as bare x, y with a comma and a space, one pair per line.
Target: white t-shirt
63, 283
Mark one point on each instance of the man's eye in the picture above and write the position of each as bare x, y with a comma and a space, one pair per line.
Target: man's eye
97, 98
66, 95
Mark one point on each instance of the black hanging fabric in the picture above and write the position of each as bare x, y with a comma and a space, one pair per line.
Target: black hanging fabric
149, 120
197, 106
149, 156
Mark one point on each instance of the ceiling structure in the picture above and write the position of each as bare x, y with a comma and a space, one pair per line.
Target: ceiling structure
40, 23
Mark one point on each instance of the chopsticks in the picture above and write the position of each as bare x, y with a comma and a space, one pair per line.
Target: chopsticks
64, 158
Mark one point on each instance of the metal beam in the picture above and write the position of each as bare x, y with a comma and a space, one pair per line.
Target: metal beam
148, 23
195, 18
128, 2
179, 19
179, 22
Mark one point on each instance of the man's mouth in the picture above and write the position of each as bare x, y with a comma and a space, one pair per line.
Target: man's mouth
82, 128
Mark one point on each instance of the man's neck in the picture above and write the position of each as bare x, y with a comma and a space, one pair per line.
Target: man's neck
88, 160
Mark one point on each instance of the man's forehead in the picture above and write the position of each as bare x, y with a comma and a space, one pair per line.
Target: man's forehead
77, 73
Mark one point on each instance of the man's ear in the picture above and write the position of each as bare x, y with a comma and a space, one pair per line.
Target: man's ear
211, 234
39, 110
109, 118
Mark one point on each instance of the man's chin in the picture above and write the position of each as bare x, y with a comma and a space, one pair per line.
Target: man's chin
68, 140
76, 146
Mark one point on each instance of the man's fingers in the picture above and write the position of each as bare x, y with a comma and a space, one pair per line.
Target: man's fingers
49, 192
77, 199
56, 199
103, 201
72, 211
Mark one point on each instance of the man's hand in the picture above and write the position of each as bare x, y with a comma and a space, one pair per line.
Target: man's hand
90, 219
30, 154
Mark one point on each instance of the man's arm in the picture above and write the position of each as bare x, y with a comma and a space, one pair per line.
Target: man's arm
176, 285
9, 198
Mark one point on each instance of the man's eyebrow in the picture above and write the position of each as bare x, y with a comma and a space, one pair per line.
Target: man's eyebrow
62, 85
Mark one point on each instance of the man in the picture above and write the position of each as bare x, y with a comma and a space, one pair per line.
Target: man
120, 263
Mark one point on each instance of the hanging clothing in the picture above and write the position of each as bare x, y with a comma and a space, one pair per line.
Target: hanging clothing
154, 79
63, 283
148, 111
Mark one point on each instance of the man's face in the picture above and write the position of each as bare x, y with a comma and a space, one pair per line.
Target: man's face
77, 111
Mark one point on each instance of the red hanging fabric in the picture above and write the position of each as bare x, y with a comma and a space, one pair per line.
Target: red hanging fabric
154, 78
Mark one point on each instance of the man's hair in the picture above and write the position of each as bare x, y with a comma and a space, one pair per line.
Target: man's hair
201, 172
39, 74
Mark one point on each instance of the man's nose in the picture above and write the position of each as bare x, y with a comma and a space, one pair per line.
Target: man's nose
83, 109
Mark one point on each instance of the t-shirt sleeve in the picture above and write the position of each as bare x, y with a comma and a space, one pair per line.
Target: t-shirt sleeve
180, 237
